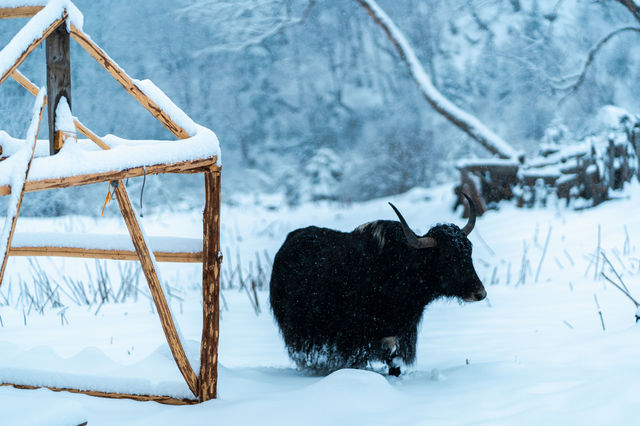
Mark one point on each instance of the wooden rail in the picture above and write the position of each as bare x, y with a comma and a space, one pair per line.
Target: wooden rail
31, 88
123, 78
19, 12
192, 166
161, 256
157, 398
35, 43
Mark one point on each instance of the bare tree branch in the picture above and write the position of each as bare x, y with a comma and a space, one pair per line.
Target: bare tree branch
244, 23
460, 118
632, 7
592, 54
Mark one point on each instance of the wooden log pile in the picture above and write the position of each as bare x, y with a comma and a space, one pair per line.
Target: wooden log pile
588, 170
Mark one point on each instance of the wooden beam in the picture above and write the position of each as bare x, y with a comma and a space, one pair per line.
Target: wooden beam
14, 211
192, 166
161, 256
33, 89
148, 267
58, 80
210, 288
31, 47
123, 78
89, 134
19, 12
156, 398
24, 81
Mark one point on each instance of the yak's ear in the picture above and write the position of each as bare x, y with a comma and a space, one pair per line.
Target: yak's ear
412, 240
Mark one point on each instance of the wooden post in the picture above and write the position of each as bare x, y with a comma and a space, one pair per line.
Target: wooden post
210, 287
58, 79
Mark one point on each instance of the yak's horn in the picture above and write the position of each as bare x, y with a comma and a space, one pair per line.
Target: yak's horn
412, 239
472, 216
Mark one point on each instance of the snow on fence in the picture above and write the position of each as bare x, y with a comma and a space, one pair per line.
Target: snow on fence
28, 166
589, 169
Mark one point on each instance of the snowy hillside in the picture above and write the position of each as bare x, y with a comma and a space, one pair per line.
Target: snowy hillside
282, 82
537, 351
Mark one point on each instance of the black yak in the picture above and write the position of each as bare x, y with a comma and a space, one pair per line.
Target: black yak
342, 300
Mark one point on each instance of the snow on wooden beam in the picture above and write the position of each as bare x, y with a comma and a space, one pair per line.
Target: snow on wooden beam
29, 37
89, 134
19, 172
24, 81
127, 82
195, 166
102, 254
33, 89
19, 12
104, 246
156, 398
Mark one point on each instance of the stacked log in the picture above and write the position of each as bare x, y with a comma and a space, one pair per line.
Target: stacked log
588, 170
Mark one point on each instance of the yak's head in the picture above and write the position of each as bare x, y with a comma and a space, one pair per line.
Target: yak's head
452, 249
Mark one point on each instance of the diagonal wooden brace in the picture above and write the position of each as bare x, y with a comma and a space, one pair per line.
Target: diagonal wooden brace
148, 267
12, 217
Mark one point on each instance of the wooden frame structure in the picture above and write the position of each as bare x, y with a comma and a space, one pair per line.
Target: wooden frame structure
202, 385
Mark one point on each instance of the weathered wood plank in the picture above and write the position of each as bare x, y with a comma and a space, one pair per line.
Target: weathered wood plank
155, 288
89, 134
33, 89
156, 398
19, 12
24, 81
123, 78
13, 216
161, 256
58, 80
194, 166
31, 48
210, 288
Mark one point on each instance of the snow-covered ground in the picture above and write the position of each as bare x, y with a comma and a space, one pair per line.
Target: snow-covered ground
534, 352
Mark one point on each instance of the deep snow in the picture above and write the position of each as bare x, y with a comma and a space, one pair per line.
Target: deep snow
533, 353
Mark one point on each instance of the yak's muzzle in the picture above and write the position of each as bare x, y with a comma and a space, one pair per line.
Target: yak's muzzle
476, 296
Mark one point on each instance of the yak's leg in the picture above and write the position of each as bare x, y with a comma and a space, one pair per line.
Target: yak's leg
389, 344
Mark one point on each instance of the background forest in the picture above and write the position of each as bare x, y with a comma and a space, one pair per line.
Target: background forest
310, 100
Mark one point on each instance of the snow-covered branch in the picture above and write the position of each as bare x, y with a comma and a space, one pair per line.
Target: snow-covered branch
460, 118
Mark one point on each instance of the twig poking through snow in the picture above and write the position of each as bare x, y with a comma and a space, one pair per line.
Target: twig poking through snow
599, 311
544, 252
484, 243
615, 272
627, 244
595, 274
566, 253
622, 290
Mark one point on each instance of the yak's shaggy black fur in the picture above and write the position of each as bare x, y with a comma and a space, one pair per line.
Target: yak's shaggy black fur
337, 296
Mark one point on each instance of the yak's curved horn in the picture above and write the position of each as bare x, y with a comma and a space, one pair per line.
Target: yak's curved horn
412, 239
472, 216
